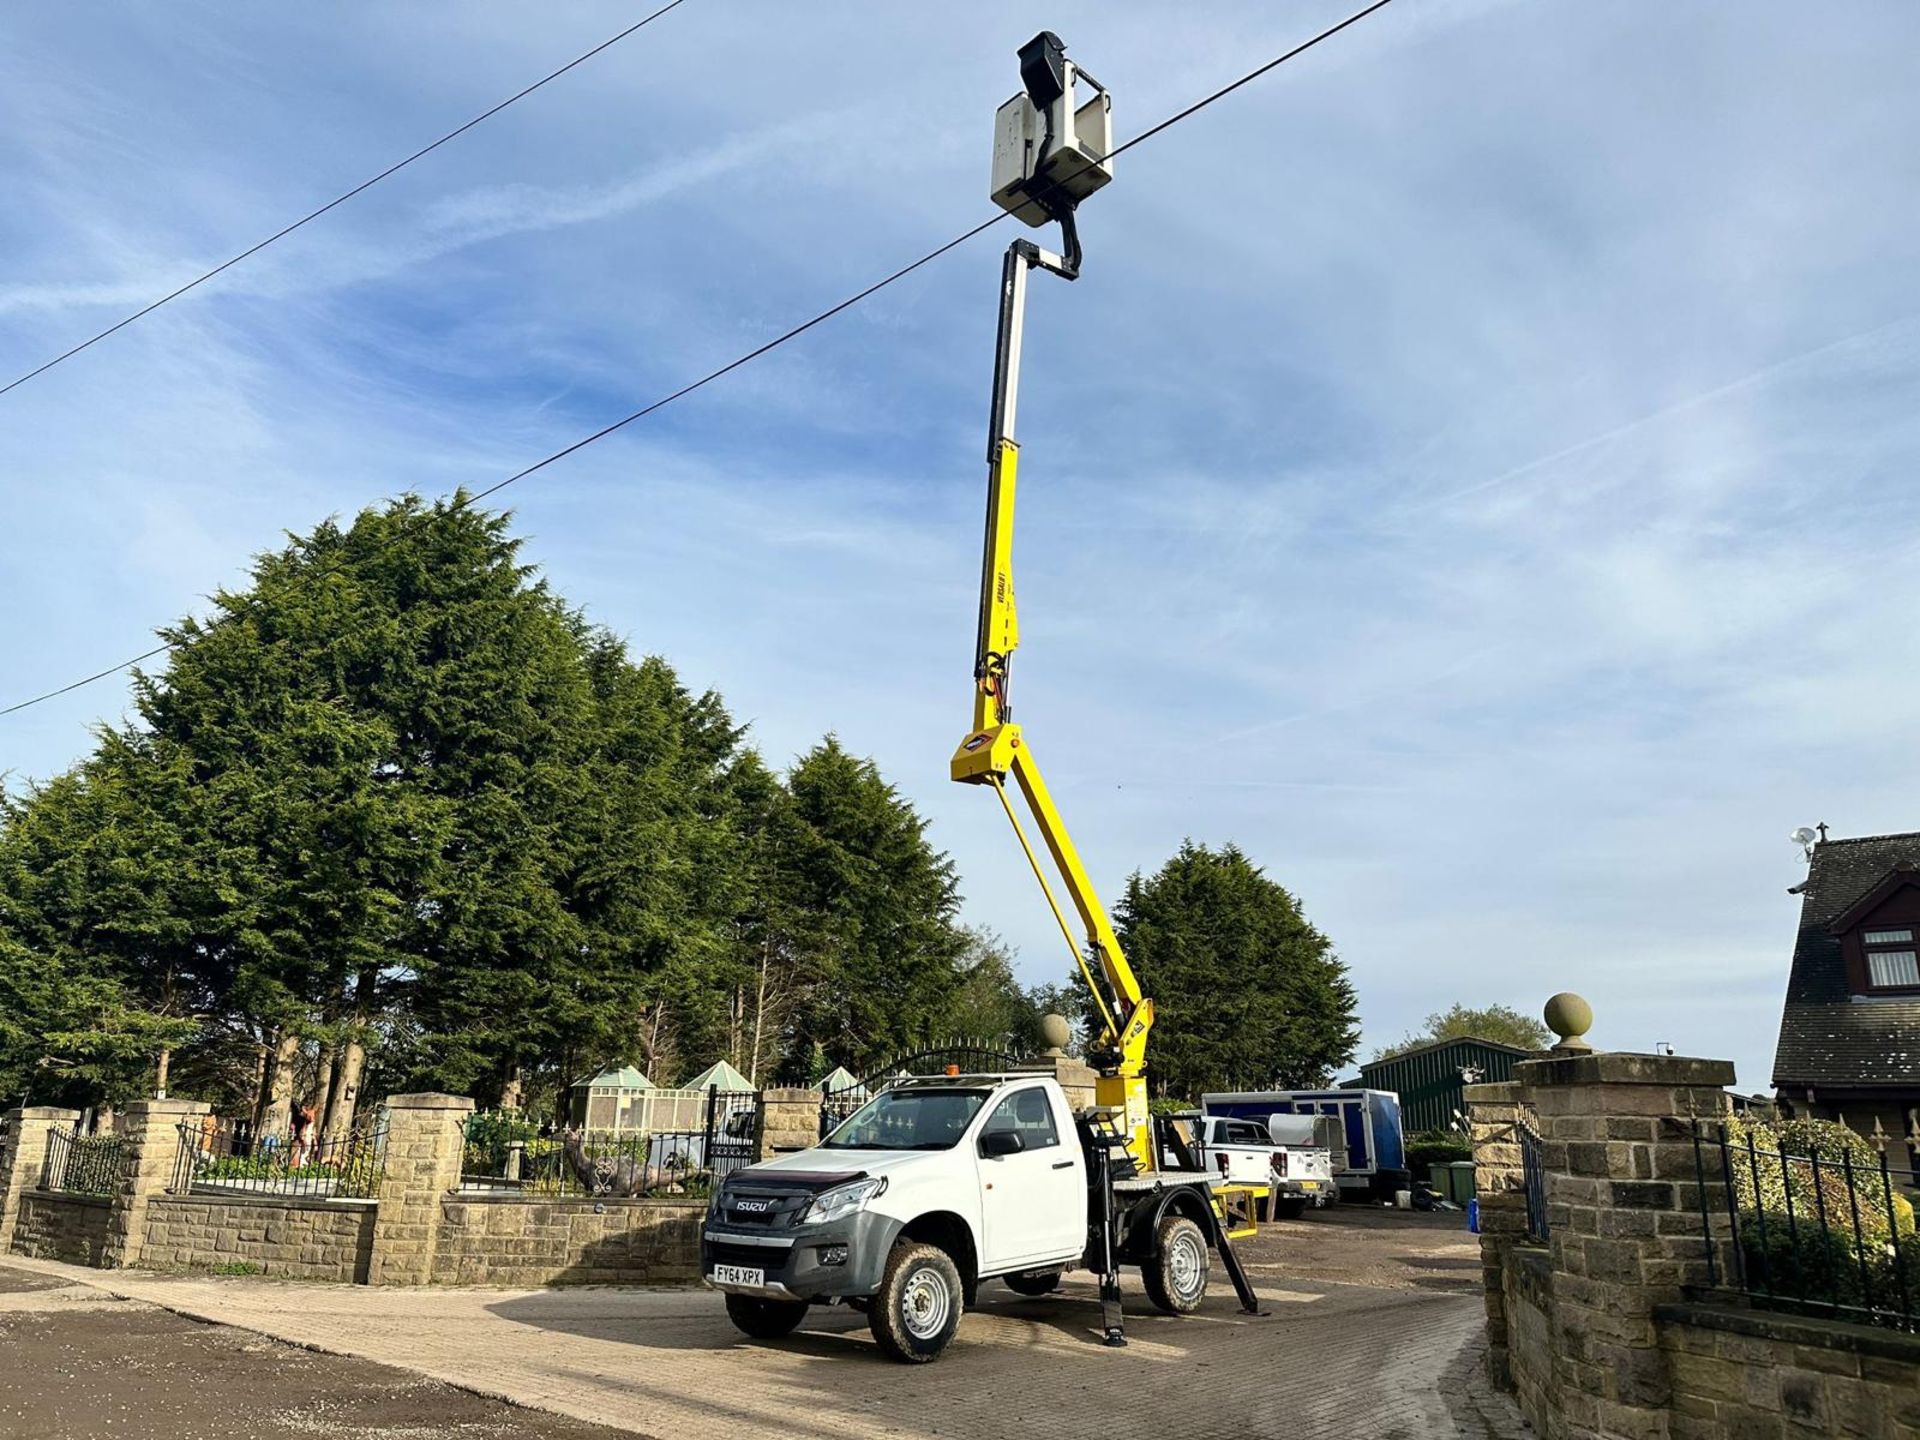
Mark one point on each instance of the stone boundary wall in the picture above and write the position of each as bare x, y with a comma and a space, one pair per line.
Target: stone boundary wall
1527, 1280
494, 1240
285, 1238
1751, 1372
1612, 1329
420, 1229
62, 1227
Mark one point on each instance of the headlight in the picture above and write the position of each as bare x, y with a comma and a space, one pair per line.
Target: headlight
842, 1200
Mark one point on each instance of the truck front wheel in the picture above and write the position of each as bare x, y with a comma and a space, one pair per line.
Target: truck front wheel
917, 1308
1176, 1272
765, 1319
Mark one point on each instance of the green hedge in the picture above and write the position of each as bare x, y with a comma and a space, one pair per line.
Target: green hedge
1807, 1237
1802, 1263
1435, 1147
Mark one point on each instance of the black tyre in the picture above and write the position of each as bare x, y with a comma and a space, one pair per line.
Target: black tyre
765, 1319
919, 1303
1176, 1273
1034, 1282
1289, 1207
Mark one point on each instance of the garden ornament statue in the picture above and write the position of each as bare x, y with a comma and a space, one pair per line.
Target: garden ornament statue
625, 1175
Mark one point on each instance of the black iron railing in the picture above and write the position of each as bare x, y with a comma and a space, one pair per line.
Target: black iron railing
345, 1167
1534, 1175
507, 1153
1827, 1229
83, 1164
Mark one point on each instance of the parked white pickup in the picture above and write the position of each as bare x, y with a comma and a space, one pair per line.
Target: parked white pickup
1297, 1167
1304, 1148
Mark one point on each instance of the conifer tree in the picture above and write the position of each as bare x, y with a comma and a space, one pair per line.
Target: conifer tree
1246, 992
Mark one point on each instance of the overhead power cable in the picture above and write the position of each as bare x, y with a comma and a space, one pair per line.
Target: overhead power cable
338, 200
792, 334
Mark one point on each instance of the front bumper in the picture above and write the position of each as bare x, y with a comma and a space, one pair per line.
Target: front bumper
793, 1261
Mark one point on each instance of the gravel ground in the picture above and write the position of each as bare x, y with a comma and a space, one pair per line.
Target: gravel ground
80, 1365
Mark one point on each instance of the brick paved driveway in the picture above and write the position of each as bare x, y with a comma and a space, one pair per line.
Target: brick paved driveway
1394, 1358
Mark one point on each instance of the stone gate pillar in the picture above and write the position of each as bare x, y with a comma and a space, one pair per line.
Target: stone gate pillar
1493, 1117
426, 1137
1076, 1077
24, 1156
1624, 1210
790, 1121
151, 1129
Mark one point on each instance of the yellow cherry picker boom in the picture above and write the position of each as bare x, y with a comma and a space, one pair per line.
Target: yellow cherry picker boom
1047, 158
939, 1184
1050, 153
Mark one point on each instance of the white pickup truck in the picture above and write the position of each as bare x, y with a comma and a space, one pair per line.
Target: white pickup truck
936, 1185
1296, 1168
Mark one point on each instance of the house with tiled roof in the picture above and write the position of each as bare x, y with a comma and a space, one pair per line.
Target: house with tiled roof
1850, 1031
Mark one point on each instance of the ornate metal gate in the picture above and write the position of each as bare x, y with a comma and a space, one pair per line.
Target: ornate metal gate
955, 1057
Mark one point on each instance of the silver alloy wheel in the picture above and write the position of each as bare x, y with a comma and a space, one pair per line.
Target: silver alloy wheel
925, 1303
1187, 1265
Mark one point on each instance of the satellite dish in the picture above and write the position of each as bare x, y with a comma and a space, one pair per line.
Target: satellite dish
1802, 837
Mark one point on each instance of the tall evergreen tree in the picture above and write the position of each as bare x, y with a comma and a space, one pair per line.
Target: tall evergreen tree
397, 815
396, 796
103, 968
1246, 992
872, 906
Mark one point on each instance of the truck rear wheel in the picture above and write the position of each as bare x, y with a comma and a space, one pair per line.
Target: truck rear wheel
918, 1306
1289, 1207
1176, 1272
1034, 1282
765, 1319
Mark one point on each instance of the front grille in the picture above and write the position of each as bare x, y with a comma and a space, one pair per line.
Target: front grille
760, 1257
783, 1207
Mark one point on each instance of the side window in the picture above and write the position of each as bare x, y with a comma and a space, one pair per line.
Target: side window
1028, 1113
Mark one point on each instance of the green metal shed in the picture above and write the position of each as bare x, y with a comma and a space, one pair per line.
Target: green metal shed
1430, 1078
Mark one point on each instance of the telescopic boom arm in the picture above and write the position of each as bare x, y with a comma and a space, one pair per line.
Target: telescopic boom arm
1042, 182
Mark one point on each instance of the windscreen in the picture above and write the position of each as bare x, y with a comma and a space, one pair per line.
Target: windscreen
908, 1120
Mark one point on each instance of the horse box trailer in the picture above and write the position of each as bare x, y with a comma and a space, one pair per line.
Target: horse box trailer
1375, 1160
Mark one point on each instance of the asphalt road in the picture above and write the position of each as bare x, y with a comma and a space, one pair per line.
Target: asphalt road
76, 1364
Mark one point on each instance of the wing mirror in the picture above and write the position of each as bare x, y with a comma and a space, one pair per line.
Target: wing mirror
996, 1143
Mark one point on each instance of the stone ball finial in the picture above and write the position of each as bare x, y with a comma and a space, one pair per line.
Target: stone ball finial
1570, 1017
1055, 1030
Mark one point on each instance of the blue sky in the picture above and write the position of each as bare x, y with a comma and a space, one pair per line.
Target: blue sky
1471, 474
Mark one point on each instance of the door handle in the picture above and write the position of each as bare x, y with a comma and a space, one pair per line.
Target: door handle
1063, 1164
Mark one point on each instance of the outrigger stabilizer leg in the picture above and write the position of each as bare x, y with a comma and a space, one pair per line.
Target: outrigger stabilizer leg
1242, 1286
1105, 1141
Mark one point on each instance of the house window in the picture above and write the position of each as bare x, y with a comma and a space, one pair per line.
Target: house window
1892, 961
